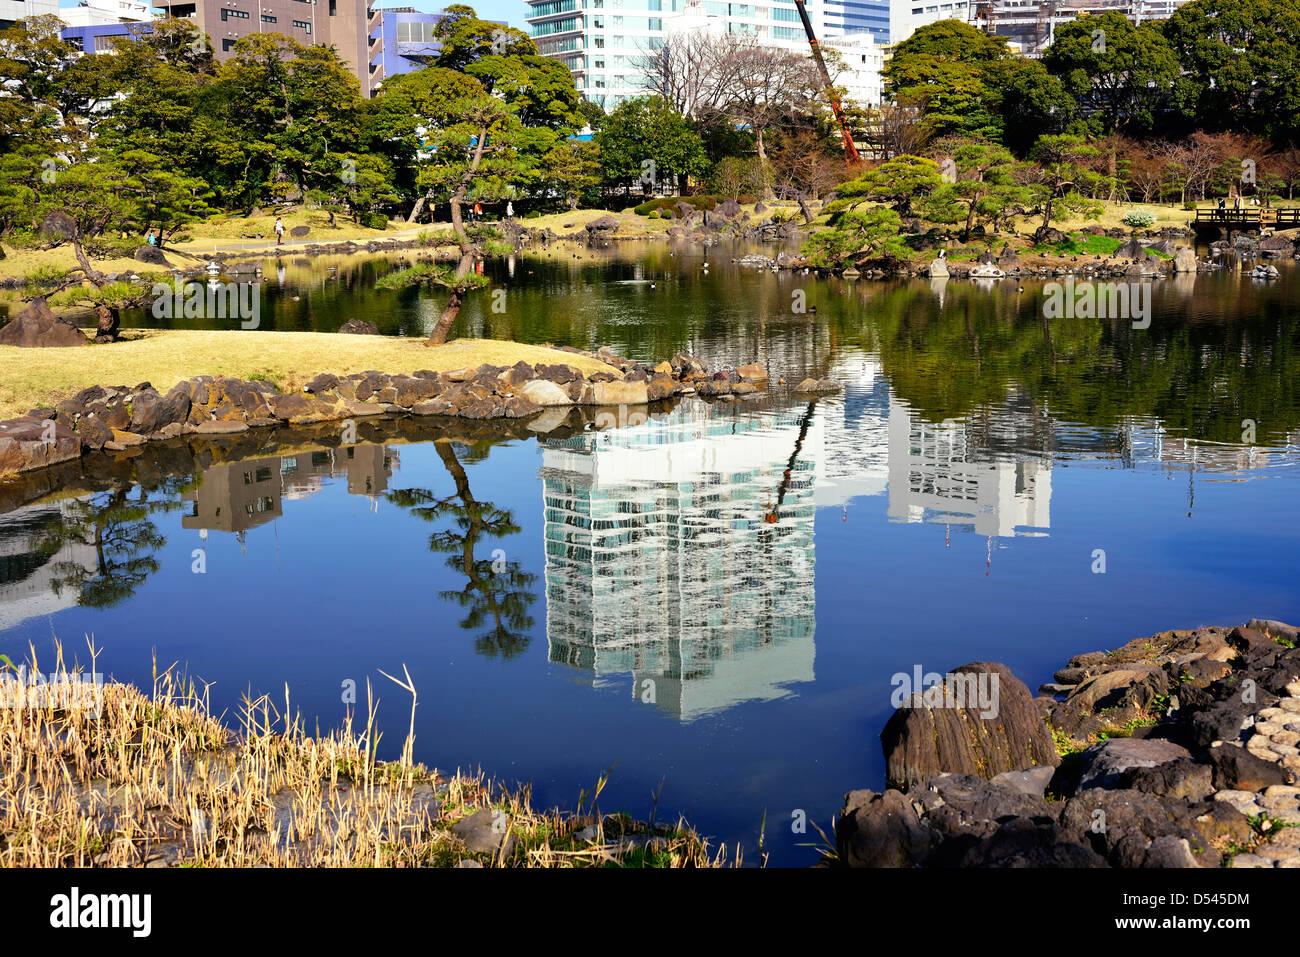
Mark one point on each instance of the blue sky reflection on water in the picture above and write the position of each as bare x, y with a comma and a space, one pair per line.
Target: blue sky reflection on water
770, 646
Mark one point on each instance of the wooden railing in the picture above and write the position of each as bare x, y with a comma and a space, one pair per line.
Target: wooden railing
1253, 218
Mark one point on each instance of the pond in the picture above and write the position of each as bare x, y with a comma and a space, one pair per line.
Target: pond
712, 599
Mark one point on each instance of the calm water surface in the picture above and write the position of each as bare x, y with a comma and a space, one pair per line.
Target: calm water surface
659, 597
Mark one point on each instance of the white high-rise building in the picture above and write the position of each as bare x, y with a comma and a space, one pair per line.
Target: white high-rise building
11, 11
605, 42
98, 13
908, 16
861, 62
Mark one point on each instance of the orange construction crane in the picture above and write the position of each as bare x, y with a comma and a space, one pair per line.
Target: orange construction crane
851, 157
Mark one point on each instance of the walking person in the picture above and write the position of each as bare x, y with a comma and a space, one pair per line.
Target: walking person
478, 212
151, 239
279, 231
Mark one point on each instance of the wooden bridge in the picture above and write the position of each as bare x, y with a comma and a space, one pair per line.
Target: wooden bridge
1245, 220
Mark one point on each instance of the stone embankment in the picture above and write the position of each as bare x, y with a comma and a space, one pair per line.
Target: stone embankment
1177, 750
119, 417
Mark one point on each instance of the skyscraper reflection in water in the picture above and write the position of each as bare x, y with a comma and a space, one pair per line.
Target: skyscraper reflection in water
680, 554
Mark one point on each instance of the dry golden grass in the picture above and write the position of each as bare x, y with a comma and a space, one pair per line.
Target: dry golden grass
629, 223
235, 227
158, 781
35, 377
219, 233
18, 263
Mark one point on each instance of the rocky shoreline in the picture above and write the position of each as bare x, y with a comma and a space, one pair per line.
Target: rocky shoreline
117, 418
1175, 750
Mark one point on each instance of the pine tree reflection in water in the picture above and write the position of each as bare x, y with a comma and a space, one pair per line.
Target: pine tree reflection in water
498, 592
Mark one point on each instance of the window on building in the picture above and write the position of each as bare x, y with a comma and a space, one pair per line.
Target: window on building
268, 19
227, 44
233, 15
302, 25
334, 8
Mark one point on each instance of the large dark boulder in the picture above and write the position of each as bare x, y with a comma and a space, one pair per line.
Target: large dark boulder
1104, 764
1216, 721
1179, 778
1236, 769
93, 433
1132, 249
921, 741
1017, 842
300, 232
36, 327
602, 227
146, 412
151, 255
28, 443
1125, 827
881, 830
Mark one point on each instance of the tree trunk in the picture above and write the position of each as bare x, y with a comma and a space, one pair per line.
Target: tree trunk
1112, 165
807, 212
107, 324
768, 194
418, 208
90, 272
438, 335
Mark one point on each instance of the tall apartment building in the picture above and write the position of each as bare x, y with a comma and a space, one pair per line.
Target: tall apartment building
98, 13
869, 18
11, 11
345, 24
861, 62
908, 16
604, 42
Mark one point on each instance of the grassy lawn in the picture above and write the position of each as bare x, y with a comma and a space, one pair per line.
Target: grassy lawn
629, 223
1081, 244
35, 377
